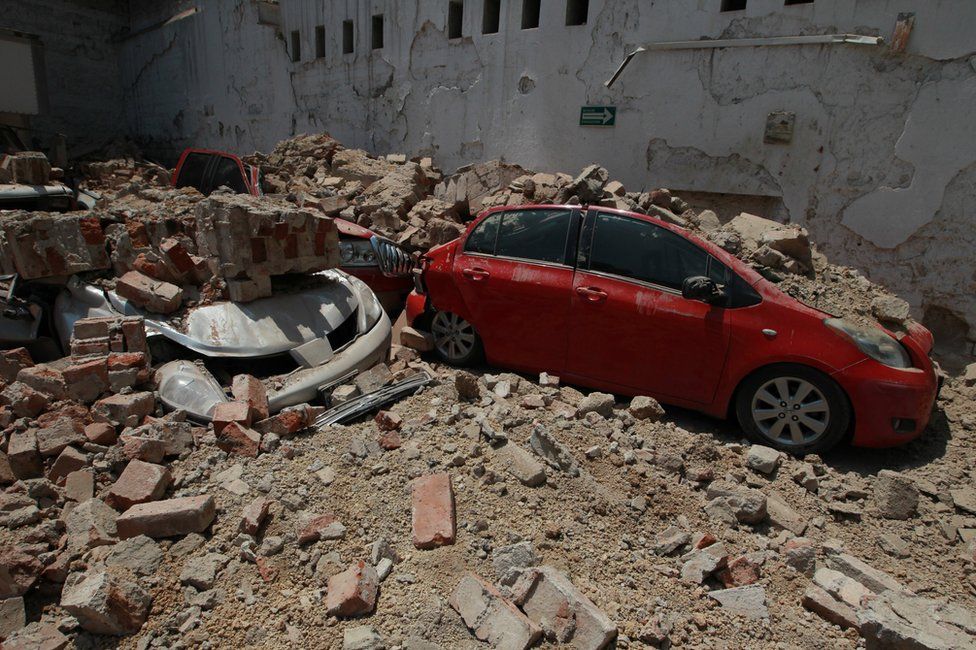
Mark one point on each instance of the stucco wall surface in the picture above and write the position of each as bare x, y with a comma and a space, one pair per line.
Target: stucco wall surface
880, 168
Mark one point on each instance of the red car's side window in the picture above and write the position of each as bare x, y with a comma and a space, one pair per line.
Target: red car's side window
640, 250
482, 238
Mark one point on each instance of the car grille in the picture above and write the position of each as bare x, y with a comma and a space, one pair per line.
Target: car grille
393, 260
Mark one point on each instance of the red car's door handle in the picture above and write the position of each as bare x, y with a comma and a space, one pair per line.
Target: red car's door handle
476, 274
592, 294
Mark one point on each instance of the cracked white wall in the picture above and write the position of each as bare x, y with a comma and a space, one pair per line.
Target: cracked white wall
881, 166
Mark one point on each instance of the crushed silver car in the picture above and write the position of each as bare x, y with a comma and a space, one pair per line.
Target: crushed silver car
316, 330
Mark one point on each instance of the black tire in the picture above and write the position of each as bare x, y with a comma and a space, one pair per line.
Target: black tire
451, 342
776, 424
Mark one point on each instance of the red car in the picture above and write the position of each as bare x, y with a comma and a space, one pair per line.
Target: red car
377, 261
626, 303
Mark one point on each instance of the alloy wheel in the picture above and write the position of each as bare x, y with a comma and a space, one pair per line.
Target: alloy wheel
454, 337
790, 411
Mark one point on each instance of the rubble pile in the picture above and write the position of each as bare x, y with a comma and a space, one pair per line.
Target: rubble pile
25, 168
229, 245
487, 510
446, 522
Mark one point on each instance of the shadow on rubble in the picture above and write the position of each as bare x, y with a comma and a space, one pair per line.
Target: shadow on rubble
929, 447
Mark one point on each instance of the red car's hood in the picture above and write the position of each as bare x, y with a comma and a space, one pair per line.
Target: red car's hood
350, 229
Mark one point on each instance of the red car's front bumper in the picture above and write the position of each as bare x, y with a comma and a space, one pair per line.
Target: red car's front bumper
390, 291
891, 405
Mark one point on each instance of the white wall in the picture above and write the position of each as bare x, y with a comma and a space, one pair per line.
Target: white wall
881, 169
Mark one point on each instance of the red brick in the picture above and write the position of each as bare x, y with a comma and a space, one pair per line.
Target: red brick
388, 421
254, 515
177, 254
126, 360
739, 572
101, 433
12, 361
86, 380
24, 401
69, 460
45, 379
433, 517
284, 423
74, 411
91, 231
237, 439
134, 331
321, 527
137, 233
247, 388
228, 412
80, 485
139, 482
128, 410
25, 460
64, 431
89, 347
154, 295
167, 518
150, 450
390, 441
7, 475
352, 592
91, 328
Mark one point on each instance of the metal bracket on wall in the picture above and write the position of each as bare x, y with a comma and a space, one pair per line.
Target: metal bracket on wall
815, 39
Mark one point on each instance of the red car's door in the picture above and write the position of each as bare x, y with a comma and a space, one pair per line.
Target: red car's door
515, 274
630, 327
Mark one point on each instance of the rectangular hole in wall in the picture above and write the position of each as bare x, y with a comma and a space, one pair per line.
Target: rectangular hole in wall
296, 46
798, 2
576, 11
530, 14
733, 5
347, 37
320, 41
455, 17
377, 40
490, 19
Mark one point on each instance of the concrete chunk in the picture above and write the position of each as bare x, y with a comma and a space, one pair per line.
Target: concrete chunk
522, 465
550, 600
492, 618
108, 601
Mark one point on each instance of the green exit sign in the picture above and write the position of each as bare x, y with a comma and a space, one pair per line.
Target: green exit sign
598, 115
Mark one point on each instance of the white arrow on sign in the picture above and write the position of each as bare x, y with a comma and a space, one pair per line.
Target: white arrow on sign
607, 116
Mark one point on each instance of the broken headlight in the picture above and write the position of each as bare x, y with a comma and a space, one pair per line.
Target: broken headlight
357, 252
873, 342
370, 308
185, 386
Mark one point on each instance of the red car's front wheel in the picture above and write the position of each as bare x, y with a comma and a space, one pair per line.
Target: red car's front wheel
794, 408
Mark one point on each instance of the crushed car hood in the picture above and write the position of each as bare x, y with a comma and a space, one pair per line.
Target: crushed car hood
263, 327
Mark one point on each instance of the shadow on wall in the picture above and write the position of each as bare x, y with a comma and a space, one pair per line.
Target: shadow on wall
953, 338
728, 206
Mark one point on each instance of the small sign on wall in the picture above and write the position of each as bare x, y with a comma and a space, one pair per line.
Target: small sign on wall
598, 116
779, 127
